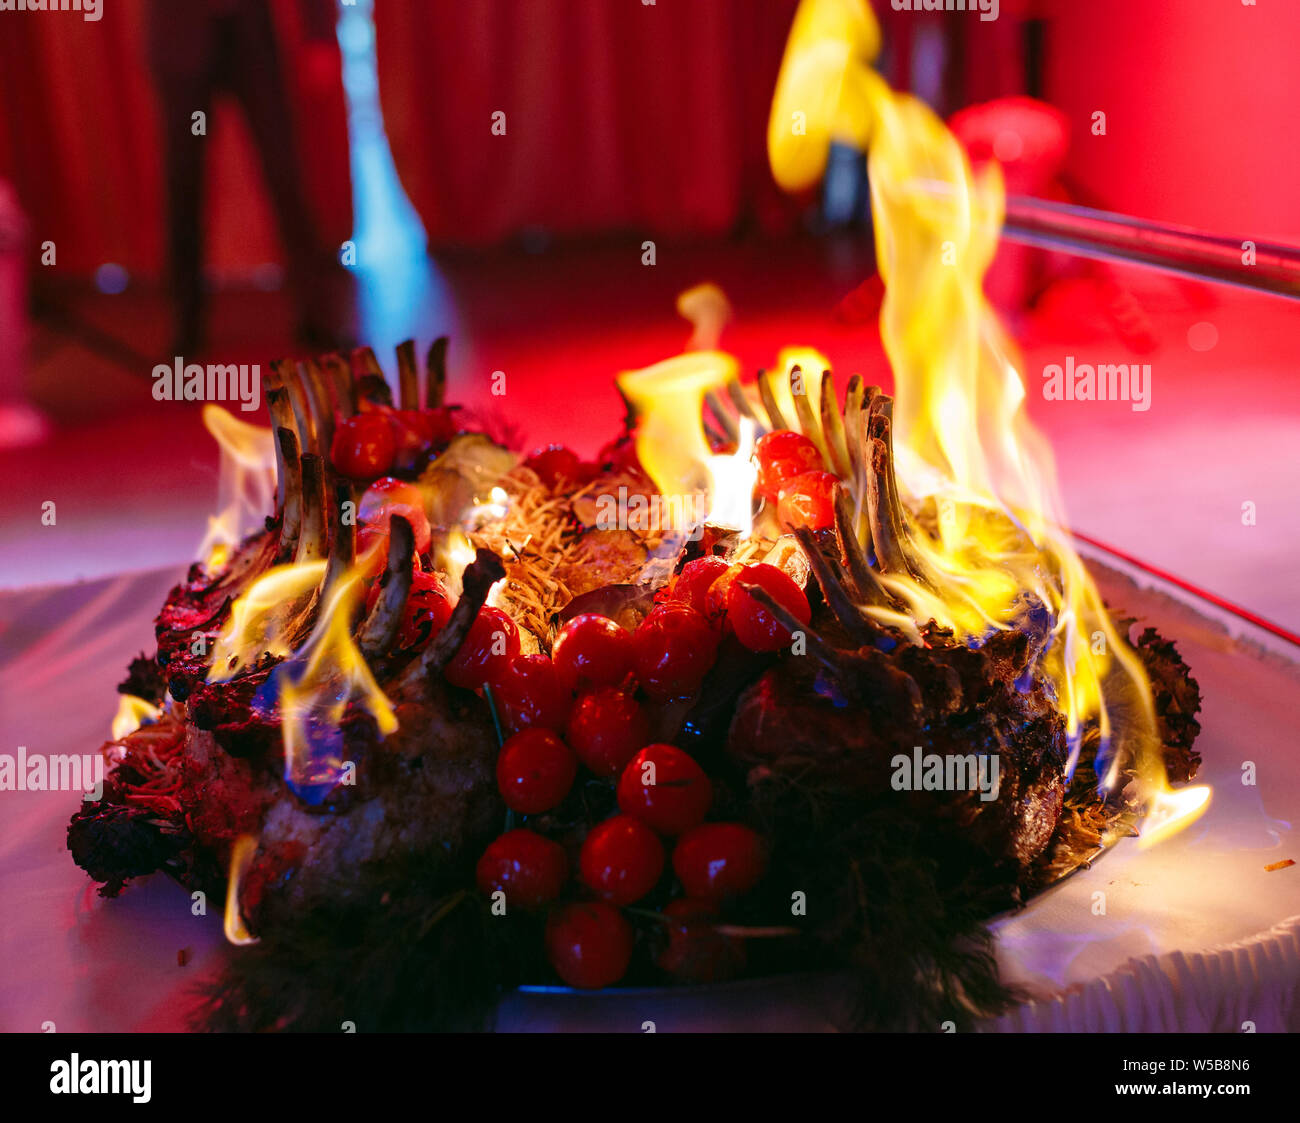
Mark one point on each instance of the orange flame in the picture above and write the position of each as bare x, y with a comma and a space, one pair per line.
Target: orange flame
668, 400
246, 486
241, 857
819, 91
132, 712
259, 618
962, 437
316, 687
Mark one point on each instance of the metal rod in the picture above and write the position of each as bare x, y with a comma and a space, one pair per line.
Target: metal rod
1178, 249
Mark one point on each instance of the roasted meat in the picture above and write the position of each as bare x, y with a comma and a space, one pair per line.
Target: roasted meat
181, 790
858, 725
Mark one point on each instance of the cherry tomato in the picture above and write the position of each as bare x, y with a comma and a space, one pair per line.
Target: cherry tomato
782, 455
556, 465
715, 599
589, 943
808, 500
754, 626
372, 550
621, 860
409, 436
693, 583
427, 428
664, 788
529, 869
718, 860
606, 728
619, 455
373, 546
428, 608
492, 641
697, 952
529, 692
535, 771
672, 650
363, 446
387, 497
592, 651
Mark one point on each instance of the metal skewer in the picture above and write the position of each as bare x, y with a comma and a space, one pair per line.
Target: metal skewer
1108, 236
1177, 249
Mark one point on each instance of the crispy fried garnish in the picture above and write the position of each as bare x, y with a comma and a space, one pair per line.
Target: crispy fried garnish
550, 555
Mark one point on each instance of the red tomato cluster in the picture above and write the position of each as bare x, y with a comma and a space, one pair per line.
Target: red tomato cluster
576, 710
719, 594
791, 474
377, 439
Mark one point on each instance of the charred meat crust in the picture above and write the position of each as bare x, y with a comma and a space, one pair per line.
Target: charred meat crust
947, 699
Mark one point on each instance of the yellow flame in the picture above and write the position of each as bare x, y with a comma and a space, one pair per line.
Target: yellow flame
246, 487
1169, 811
258, 618
668, 399
963, 441
453, 551
328, 673
812, 365
708, 310
819, 95
731, 484
132, 712
452, 554
241, 857
961, 432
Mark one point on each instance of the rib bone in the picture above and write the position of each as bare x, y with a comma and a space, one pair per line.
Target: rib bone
744, 408
895, 551
339, 374
343, 538
408, 386
313, 543
833, 588
482, 573
369, 377
889, 554
866, 584
804, 410
379, 631
833, 429
768, 397
286, 374
435, 372
320, 398
730, 430
289, 467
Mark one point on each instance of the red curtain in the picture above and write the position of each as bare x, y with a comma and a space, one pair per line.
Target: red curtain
619, 115
628, 115
79, 140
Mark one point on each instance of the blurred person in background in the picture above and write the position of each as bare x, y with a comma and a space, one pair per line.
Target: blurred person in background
197, 50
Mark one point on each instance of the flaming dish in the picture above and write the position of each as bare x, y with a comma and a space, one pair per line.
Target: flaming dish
795, 675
